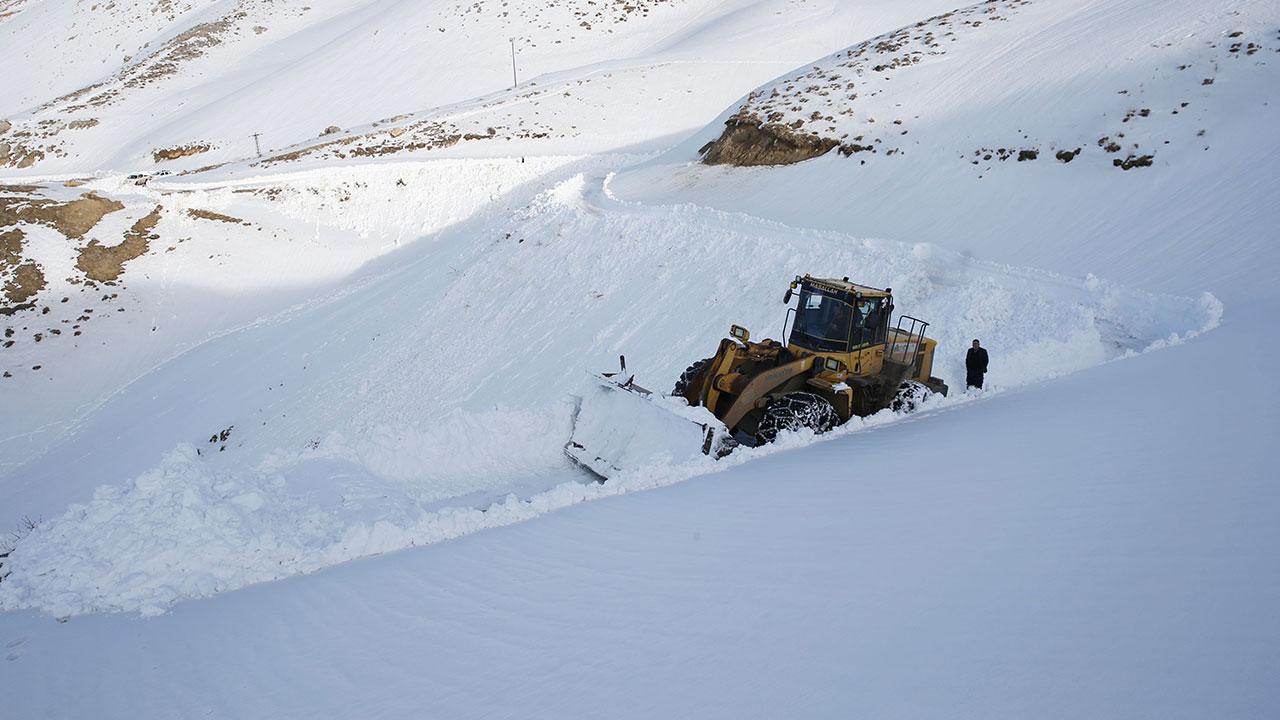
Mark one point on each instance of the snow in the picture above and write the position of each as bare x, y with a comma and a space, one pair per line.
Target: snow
1014, 84
321, 452
1004, 572
511, 296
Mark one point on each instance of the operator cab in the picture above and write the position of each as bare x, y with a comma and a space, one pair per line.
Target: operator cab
837, 316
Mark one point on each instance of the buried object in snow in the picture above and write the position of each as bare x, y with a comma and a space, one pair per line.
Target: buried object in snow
842, 358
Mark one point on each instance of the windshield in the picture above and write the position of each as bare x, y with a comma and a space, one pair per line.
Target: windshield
828, 324
822, 322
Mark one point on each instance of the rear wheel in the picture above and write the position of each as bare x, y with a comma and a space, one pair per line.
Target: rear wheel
796, 411
691, 376
911, 395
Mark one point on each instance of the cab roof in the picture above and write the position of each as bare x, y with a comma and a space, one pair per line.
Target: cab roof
843, 285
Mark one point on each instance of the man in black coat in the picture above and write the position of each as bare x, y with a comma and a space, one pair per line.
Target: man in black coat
975, 365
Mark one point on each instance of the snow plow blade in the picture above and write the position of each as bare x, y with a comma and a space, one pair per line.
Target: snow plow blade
620, 426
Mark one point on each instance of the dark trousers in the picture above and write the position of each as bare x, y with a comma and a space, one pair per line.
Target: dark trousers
974, 379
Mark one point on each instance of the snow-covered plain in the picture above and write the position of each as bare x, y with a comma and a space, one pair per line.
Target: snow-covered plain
1093, 536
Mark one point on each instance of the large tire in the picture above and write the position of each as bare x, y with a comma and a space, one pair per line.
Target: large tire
796, 411
691, 376
911, 395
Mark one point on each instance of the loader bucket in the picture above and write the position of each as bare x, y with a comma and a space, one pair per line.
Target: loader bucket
619, 426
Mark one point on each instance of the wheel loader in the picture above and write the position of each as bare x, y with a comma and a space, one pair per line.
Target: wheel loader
844, 357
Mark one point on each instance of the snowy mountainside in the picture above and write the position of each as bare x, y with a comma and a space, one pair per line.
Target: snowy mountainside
383, 397
1015, 130
248, 65
194, 94
911, 91
257, 230
213, 258
370, 339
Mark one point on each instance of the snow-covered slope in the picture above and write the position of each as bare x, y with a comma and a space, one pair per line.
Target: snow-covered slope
365, 393
383, 357
190, 87
963, 130
1083, 548
343, 425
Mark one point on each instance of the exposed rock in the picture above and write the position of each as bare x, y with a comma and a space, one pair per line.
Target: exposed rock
330, 130
1028, 155
180, 151
1067, 156
5, 125
29, 159
104, 264
211, 215
1133, 161
82, 124
748, 142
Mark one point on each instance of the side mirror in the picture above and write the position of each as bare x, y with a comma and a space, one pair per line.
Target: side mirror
787, 298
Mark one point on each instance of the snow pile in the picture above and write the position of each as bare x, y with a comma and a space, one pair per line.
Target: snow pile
406, 439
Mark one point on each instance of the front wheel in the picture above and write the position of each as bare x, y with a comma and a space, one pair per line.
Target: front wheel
796, 411
691, 377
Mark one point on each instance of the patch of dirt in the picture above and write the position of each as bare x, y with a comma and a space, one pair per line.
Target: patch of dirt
211, 215
73, 219
424, 134
25, 279
747, 142
181, 151
296, 154
205, 168
11, 246
104, 264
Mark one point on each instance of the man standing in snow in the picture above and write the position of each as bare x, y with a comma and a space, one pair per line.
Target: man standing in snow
975, 365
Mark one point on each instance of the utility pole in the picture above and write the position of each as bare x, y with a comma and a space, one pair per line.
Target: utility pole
514, 82
256, 146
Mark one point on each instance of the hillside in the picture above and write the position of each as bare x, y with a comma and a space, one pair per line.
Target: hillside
1006, 141
284, 433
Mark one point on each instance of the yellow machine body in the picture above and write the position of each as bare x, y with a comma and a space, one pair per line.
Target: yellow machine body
849, 355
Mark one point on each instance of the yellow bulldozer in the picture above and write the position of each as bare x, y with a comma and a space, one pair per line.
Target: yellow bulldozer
843, 357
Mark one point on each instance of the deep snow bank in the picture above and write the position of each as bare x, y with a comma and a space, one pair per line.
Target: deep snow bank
366, 445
